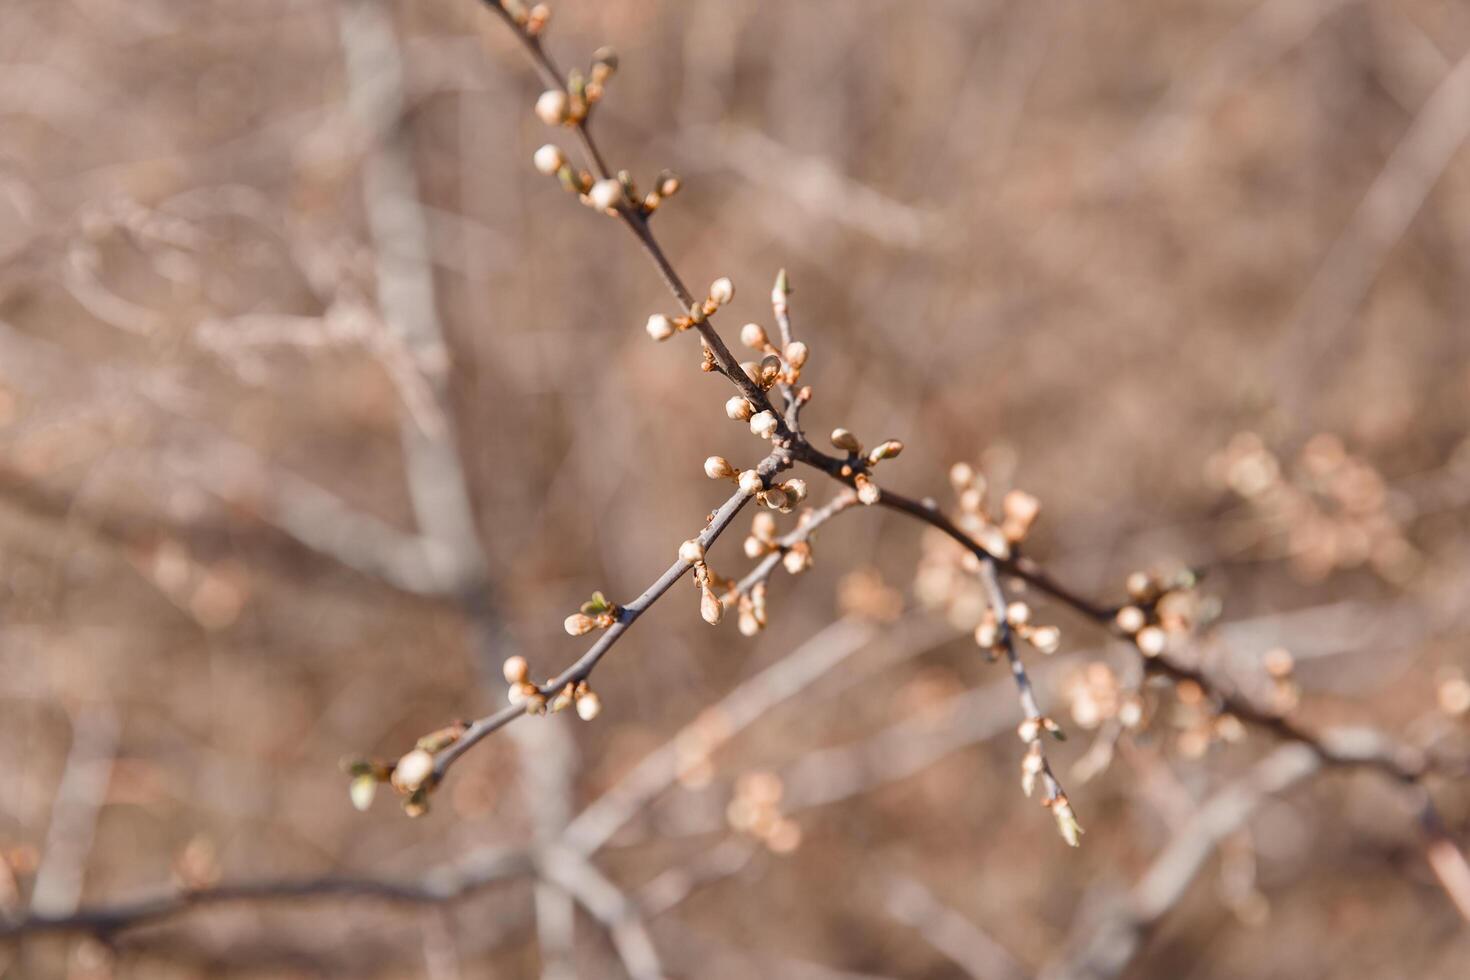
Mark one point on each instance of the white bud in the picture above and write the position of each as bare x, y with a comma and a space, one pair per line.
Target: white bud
691, 551
763, 424
1046, 639
718, 468
739, 409
753, 335
412, 770
721, 291
868, 493
843, 439
1018, 614
1130, 619
751, 482
362, 789
1151, 641
795, 354
711, 608
589, 706
515, 670
578, 623
659, 327
606, 194
553, 106
549, 159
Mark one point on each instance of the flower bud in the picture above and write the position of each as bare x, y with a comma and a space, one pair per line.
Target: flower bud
660, 327
606, 194
797, 559
749, 624
1046, 639
1029, 730
553, 107
1140, 585
843, 439
1018, 614
691, 551
769, 371
515, 669
796, 489
362, 789
961, 475
579, 623
535, 703
412, 770
718, 468
589, 705
537, 19
1151, 641
753, 335
1130, 619
604, 64
763, 526
867, 491
549, 159
886, 450
763, 424
751, 482
739, 409
755, 547
710, 607
987, 634
668, 183
721, 291
795, 354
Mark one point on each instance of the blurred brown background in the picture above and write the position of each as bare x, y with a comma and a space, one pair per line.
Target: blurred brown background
1085, 242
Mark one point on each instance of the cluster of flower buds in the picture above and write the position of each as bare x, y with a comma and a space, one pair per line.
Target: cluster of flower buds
783, 365
1280, 668
569, 105
783, 497
755, 809
596, 614
752, 609
991, 639
1019, 511
1161, 607
1033, 766
413, 777
525, 691
711, 606
859, 463
661, 327
1097, 696
1199, 725
531, 18
608, 194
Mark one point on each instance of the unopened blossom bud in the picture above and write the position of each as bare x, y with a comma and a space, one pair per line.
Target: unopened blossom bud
553, 107
668, 184
763, 526
563, 699
1151, 641
961, 475
1021, 507
660, 327
515, 669
535, 703
770, 370
1029, 730
739, 409
797, 559
755, 547
362, 789
796, 489
691, 551
1130, 619
1278, 662
604, 64
843, 439
886, 450
412, 770
606, 194
751, 482
867, 491
1139, 585
1067, 823
1047, 639
987, 634
1018, 614
718, 468
753, 335
721, 291
795, 354
549, 159
537, 19
589, 705
579, 623
764, 424
749, 624
710, 607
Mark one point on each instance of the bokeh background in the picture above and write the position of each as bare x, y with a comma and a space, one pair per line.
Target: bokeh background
296, 347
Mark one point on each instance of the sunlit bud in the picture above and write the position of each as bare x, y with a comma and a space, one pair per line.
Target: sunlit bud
549, 159
1130, 619
660, 327
691, 551
751, 482
563, 699
1018, 614
1140, 586
412, 770
1046, 638
589, 705
1151, 641
993, 540
763, 424
770, 370
1130, 714
537, 19
1278, 662
987, 634
721, 291
604, 64
738, 409
1067, 823
843, 439
579, 623
1029, 730
1020, 509
668, 183
515, 670
784, 836
796, 354
535, 703
718, 468
417, 803
755, 547
710, 607
749, 624
753, 335
552, 107
867, 491
796, 489
797, 559
886, 450
961, 475
777, 499
763, 526
606, 194
362, 789
517, 693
